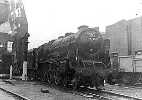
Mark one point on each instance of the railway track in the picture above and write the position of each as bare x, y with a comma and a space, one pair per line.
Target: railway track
16, 96
94, 94
103, 95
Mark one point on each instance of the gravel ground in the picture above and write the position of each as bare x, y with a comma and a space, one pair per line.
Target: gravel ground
129, 91
32, 90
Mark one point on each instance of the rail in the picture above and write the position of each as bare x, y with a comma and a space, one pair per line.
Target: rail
103, 95
20, 97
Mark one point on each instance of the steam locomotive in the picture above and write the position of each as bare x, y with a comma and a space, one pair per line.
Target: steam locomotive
76, 59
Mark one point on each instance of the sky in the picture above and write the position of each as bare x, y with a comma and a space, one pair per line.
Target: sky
48, 19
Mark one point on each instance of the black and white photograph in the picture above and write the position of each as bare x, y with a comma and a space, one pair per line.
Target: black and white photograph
70, 49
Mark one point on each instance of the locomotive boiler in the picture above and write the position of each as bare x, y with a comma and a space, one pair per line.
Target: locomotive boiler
77, 59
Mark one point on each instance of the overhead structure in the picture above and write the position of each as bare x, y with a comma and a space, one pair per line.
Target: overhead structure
4, 12
17, 18
19, 32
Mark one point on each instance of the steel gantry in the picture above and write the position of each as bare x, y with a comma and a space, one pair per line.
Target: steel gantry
19, 32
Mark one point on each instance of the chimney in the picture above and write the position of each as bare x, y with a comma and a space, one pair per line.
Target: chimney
83, 27
96, 28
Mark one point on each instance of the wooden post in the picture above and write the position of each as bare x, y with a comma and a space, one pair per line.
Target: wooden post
11, 72
24, 75
25, 47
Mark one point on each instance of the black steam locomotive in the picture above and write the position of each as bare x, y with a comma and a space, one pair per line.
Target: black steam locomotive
76, 59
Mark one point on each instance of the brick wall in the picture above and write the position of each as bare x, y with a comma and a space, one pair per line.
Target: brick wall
117, 33
125, 36
135, 28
